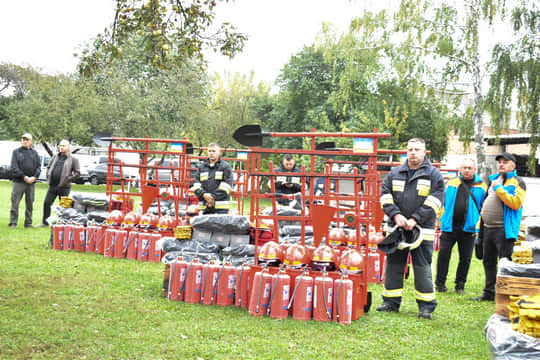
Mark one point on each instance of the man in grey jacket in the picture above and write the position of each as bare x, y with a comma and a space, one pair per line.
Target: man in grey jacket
61, 171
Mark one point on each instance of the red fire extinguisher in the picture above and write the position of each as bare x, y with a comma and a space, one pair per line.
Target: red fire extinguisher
373, 267
132, 244
210, 274
91, 238
143, 246
68, 237
120, 243
343, 288
193, 283
178, 276
323, 297
242, 285
302, 297
154, 254
58, 236
79, 237
260, 292
110, 241
279, 299
100, 245
225, 285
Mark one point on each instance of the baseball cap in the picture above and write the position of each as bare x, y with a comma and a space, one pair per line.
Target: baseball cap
26, 136
507, 156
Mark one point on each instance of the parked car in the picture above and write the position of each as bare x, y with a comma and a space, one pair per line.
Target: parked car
98, 175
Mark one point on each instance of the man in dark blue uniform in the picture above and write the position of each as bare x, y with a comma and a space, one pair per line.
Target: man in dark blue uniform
412, 196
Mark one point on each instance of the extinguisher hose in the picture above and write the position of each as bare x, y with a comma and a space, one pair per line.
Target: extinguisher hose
240, 287
171, 279
274, 289
70, 239
337, 296
296, 288
324, 295
204, 282
260, 286
88, 237
182, 288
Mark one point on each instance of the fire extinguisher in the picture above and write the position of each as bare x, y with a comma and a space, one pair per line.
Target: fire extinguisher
68, 237
279, 299
91, 237
373, 268
302, 297
178, 276
225, 285
343, 288
210, 273
119, 244
79, 237
323, 297
110, 241
154, 253
58, 236
260, 292
132, 243
100, 245
143, 246
192, 283
242, 285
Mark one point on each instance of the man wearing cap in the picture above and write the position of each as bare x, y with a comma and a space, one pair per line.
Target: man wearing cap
25, 167
61, 171
411, 197
501, 218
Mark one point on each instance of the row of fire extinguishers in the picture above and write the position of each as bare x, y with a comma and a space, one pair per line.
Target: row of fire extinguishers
311, 295
132, 236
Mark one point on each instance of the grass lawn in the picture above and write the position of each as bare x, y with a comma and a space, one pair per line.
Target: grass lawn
70, 305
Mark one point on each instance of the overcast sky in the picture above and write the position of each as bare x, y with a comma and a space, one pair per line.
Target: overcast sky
46, 33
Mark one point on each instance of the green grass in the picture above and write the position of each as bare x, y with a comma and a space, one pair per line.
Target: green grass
69, 305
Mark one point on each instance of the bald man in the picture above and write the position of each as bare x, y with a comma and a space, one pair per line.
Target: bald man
61, 171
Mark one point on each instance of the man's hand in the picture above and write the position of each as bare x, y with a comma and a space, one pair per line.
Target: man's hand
29, 179
403, 222
210, 202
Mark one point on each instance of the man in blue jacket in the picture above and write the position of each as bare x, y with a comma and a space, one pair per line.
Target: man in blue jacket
459, 223
25, 166
501, 218
411, 198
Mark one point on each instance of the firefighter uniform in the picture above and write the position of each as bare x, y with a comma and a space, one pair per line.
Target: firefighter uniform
216, 180
419, 197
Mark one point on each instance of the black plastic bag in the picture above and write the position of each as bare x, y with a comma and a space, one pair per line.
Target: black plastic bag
223, 223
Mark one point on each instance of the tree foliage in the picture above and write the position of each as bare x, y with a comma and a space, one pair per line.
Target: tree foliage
515, 76
171, 32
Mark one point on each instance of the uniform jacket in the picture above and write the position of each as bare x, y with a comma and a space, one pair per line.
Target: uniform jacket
17, 163
419, 197
70, 171
216, 180
512, 194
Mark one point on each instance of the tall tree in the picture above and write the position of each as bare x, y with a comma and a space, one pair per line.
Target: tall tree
172, 31
515, 75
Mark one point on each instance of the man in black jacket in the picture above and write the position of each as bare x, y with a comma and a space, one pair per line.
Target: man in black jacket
213, 183
61, 171
25, 167
285, 183
411, 197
